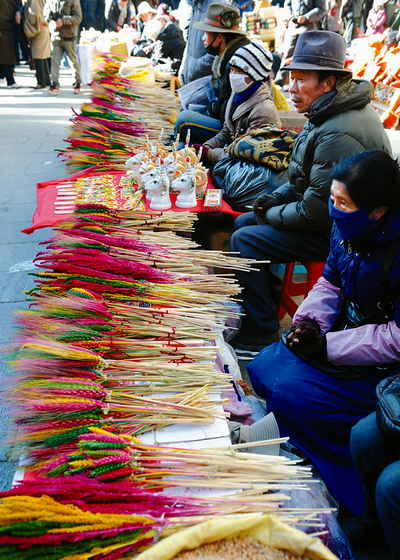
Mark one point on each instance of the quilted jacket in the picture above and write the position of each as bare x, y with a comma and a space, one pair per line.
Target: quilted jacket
340, 123
353, 271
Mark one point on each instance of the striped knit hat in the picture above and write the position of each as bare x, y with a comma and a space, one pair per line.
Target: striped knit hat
254, 60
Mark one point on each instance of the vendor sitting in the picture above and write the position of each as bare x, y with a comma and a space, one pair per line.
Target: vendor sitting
165, 44
345, 336
250, 105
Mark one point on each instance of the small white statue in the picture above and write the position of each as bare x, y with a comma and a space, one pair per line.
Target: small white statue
186, 185
159, 190
151, 174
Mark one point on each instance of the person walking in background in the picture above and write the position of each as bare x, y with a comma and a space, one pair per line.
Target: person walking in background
350, 15
37, 31
9, 16
300, 16
93, 12
119, 15
63, 16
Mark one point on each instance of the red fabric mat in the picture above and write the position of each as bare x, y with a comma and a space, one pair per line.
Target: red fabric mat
46, 195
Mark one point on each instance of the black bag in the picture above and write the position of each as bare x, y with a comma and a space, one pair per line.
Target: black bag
388, 406
243, 181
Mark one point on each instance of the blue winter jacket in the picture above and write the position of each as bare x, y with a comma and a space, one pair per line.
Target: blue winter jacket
353, 271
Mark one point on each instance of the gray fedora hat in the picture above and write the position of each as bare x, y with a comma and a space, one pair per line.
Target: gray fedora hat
221, 18
319, 50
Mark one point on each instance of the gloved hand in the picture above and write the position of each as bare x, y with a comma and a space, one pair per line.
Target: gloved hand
262, 204
303, 334
304, 339
204, 151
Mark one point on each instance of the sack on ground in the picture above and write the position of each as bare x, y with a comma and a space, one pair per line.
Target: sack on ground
243, 181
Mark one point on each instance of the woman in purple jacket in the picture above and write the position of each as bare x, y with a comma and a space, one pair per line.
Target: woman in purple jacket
345, 336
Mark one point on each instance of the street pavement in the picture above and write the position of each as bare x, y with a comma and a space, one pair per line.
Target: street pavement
33, 124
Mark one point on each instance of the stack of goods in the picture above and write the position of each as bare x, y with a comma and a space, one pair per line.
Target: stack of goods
379, 63
250, 22
122, 112
120, 341
268, 23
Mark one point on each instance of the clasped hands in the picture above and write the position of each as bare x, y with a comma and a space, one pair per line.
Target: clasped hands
262, 204
304, 338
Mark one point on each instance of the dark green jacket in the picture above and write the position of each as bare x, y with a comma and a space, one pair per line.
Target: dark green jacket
340, 123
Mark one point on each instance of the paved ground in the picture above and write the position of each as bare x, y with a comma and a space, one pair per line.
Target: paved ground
33, 125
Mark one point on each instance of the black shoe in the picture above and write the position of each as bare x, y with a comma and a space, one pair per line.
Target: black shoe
76, 87
38, 86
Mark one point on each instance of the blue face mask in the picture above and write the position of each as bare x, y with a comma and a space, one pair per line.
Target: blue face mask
350, 224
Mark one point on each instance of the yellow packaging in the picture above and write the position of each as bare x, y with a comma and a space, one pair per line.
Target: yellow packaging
266, 529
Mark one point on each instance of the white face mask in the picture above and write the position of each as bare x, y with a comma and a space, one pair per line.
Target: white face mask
238, 82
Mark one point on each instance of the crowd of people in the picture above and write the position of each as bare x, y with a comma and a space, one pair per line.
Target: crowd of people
339, 204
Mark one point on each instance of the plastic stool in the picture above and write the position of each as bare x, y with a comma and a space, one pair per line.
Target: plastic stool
291, 288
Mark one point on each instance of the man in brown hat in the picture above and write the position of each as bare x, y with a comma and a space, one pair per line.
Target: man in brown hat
293, 223
222, 36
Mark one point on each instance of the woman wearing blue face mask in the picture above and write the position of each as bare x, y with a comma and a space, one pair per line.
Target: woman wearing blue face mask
320, 380
250, 104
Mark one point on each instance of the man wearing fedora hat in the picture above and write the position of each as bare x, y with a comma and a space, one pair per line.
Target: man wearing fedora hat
293, 223
222, 36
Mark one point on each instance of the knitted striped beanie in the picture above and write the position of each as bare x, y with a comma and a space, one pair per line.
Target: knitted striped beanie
254, 60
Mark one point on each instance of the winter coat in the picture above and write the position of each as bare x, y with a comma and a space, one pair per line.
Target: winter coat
196, 61
353, 271
169, 46
37, 29
313, 10
221, 70
260, 110
70, 13
8, 9
351, 8
340, 123
93, 13
113, 15
376, 22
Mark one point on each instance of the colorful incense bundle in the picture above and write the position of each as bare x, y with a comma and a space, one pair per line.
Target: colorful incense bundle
110, 129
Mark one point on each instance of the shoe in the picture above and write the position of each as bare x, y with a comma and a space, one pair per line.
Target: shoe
76, 87
38, 86
14, 86
54, 89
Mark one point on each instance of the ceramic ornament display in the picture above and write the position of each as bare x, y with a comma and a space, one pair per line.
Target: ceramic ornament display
159, 190
185, 184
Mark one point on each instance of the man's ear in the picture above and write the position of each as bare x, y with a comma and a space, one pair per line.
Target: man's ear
329, 83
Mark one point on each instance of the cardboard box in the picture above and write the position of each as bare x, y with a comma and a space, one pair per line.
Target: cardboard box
292, 120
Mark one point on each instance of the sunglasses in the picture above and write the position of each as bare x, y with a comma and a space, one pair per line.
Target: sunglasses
229, 19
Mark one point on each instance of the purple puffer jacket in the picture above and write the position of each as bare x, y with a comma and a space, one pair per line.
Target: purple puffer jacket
353, 271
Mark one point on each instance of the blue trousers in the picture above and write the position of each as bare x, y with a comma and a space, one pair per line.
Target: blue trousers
202, 127
377, 459
263, 242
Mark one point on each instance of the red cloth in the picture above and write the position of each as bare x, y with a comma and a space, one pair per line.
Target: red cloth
46, 195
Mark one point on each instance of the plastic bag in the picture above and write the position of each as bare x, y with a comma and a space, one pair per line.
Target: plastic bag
266, 529
243, 181
318, 496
